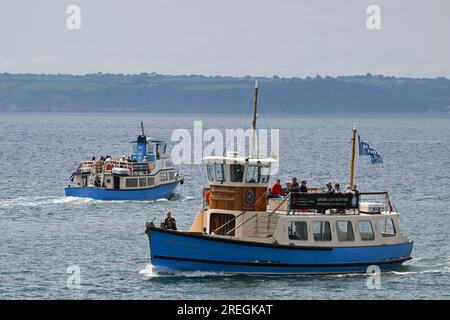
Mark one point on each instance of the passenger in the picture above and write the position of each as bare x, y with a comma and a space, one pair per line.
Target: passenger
97, 181
329, 188
337, 188
276, 190
294, 185
303, 187
287, 189
93, 158
169, 222
355, 190
108, 158
348, 189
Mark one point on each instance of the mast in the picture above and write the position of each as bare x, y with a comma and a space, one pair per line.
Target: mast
352, 169
142, 128
255, 109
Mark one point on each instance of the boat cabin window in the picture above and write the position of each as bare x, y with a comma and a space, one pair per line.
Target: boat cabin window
150, 181
265, 174
157, 151
253, 174
298, 230
171, 175
163, 176
220, 172
142, 182
344, 230
237, 172
387, 228
365, 230
222, 224
321, 231
209, 172
131, 183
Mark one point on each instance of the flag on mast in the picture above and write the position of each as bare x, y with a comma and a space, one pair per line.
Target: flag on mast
366, 150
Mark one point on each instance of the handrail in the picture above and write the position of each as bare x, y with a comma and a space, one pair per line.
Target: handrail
282, 202
229, 221
270, 215
255, 215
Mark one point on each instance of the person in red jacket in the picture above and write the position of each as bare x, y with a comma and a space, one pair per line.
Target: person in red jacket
276, 190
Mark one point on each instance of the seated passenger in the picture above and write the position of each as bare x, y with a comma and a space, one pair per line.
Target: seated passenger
287, 189
276, 190
348, 189
329, 188
303, 187
337, 188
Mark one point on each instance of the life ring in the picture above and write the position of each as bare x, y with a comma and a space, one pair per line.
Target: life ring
109, 167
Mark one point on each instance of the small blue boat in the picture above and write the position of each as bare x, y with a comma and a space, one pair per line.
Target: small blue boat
146, 174
241, 229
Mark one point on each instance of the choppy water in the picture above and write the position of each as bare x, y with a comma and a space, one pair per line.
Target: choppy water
43, 232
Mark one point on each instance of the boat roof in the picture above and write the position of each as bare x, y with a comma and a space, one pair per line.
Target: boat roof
240, 160
152, 141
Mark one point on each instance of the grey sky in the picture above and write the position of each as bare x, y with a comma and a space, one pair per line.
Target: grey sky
232, 37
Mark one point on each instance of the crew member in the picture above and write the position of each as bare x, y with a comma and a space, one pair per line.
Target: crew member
169, 222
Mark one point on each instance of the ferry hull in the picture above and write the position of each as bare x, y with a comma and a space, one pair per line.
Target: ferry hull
178, 251
158, 192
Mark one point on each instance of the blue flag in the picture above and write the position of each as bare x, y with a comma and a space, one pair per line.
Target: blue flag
366, 150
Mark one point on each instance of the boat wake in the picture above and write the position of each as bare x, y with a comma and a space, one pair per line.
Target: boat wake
40, 201
421, 266
150, 271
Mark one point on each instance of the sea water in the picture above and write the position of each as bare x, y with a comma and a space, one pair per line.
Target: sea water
45, 236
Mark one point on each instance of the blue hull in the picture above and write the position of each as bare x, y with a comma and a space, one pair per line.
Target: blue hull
158, 192
187, 252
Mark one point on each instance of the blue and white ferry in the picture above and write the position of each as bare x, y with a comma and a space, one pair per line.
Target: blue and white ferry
146, 174
240, 230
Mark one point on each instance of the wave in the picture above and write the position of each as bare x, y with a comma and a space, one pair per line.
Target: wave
150, 271
38, 201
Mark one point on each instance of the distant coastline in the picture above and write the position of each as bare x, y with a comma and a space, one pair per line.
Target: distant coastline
156, 93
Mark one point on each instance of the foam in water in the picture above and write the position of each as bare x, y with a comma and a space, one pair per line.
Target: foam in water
150, 271
40, 201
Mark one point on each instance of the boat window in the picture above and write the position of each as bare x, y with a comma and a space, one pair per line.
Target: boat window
344, 230
217, 220
321, 231
253, 174
142, 182
265, 174
298, 230
133, 148
171, 175
209, 172
387, 228
131, 183
365, 230
237, 172
150, 181
163, 176
220, 172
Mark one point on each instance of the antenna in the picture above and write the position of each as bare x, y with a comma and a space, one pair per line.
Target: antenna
255, 110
